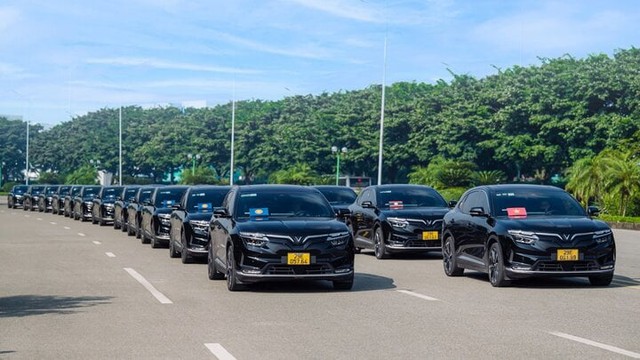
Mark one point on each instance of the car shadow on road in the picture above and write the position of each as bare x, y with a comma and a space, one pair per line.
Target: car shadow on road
29, 305
362, 282
427, 255
559, 282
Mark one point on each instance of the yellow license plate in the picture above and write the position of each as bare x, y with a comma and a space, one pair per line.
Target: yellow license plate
430, 235
568, 255
298, 259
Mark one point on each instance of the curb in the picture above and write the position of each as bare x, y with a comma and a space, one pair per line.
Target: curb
623, 225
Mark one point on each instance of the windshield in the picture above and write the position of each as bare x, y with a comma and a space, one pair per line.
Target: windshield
263, 205
145, 195
129, 193
20, 189
51, 190
533, 202
413, 197
76, 190
90, 192
336, 196
36, 190
205, 200
168, 197
64, 189
111, 193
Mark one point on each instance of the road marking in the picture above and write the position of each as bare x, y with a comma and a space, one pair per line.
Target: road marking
110, 254
598, 345
67, 228
147, 285
97, 242
40, 219
27, 216
52, 222
81, 234
220, 352
424, 297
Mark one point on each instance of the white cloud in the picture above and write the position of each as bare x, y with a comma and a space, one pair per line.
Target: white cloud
341, 8
161, 64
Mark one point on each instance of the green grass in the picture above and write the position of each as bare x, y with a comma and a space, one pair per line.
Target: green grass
624, 219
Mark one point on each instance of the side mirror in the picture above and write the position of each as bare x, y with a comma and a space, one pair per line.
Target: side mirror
220, 212
453, 203
176, 207
593, 211
368, 205
477, 211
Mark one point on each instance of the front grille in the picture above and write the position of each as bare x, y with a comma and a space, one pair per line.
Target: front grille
568, 266
423, 243
314, 269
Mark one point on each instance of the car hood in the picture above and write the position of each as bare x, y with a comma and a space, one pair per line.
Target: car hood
293, 226
572, 225
200, 216
419, 213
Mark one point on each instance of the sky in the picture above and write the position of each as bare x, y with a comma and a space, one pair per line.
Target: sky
60, 59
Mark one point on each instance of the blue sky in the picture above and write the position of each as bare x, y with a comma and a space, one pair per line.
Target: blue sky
64, 58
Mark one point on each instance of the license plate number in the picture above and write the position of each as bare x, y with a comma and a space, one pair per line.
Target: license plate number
298, 259
430, 235
568, 255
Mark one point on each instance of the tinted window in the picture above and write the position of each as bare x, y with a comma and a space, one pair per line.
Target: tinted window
473, 200
168, 197
111, 193
267, 204
51, 190
76, 190
337, 196
145, 195
20, 189
130, 193
90, 191
365, 196
536, 202
205, 200
409, 198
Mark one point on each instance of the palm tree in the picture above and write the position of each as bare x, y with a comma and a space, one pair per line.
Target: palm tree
622, 174
585, 179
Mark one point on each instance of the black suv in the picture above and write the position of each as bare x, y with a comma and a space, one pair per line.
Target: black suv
156, 214
279, 232
120, 207
31, 196
68, 200
103, 204
518, 231
45, 202
134, 210
189, 235
57, 200
83, 202
397, 218
16, 196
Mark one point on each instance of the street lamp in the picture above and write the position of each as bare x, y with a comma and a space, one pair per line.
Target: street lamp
95, 163
193, 165
334, 149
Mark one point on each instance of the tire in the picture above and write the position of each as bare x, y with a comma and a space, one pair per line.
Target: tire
601, 280
378, 245
343, 284
153, 240
350, 227
185, 257
130, 231
449, 261
212, 271
232, 281
173, 253
495, 266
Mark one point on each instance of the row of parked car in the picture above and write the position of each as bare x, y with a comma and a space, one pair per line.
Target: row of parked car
259, 233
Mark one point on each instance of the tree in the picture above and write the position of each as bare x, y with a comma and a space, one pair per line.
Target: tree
85, 175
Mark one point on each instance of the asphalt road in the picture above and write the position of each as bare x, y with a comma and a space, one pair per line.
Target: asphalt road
72, 290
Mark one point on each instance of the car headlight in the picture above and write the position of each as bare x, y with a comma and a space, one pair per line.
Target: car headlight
603, 236
201, 225
109, 206
398, 222
254, 239
337, 239
165, 219
523, 237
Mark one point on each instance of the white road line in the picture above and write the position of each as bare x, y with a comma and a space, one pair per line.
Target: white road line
40, 219
67, 228
97, 242
614, 349
52, 222
81, 234
424, 297
110, 254
220, 352
157, 294
27, 216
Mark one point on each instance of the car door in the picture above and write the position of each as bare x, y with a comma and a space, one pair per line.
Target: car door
361, 223
470, 229
221, 226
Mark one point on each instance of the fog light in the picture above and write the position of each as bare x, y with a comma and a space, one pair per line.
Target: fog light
343, 271
606, 267
250, 271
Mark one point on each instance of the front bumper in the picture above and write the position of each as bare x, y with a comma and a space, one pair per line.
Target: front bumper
269, 262
410, 238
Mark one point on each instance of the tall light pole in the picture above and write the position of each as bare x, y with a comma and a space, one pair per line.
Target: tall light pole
120, 146
334, 149
193, 158
384, 79
26, 171
233, 131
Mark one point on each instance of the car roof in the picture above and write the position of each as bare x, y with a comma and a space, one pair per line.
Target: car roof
275, 187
